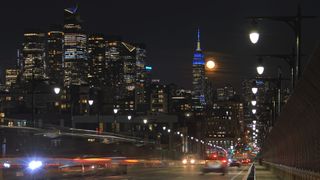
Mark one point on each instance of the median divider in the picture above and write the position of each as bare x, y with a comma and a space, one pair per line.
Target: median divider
251, 174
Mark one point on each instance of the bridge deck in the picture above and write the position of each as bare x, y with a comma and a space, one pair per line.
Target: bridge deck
262, 173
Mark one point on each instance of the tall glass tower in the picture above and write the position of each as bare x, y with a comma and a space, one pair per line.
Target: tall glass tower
75, 53
198, 78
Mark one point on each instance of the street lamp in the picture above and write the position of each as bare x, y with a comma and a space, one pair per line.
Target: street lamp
254, 111
129, 118
260, 69
56, 90
169, 130
253, 102
254, 90
90, 101
145, 121
254, 36
164, 128
115, 111
295, 23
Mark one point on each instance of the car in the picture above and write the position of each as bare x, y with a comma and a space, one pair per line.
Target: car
189, 160
235, 163
245, 161
216, 162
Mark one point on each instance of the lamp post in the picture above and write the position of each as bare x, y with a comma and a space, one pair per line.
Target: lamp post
115, 111
57, 91
145, 121
295, 23
129, 119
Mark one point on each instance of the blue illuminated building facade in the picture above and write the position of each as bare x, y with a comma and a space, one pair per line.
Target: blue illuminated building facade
198, 75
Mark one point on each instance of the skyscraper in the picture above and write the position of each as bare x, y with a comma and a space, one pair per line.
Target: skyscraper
141, 75
55, 43
121, 61
97, 60
198, 81
33, 52
75, 53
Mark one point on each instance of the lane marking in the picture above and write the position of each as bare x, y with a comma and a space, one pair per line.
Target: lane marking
234, 177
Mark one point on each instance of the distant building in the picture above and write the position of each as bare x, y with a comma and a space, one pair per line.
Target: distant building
126, 72
11, 77
179, 100
75, 54
97, 60
158, 97
225, 93
198, 78
55, 56
33, 52
223, 126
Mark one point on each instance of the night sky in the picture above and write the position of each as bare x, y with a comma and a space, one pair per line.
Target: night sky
168, 28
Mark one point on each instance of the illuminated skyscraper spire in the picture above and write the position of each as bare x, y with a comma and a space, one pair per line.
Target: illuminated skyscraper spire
198, 42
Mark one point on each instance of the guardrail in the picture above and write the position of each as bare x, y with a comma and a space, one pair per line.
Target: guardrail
286, 172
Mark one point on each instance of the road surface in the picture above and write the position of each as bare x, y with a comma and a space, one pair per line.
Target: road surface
176, 173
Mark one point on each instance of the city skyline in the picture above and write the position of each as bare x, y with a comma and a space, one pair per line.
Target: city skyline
178, 48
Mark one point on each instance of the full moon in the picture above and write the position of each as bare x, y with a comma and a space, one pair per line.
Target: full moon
210, 64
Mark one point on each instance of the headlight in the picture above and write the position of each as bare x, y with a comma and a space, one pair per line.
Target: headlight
192, 161
6, 165
184, 161
33, 165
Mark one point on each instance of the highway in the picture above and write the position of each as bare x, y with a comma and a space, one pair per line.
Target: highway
176, 173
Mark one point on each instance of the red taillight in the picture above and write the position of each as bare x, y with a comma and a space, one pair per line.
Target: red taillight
224, 161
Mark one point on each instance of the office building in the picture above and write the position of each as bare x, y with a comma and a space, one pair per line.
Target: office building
75, 49
97, 60
55, 56
198, 81
33, 53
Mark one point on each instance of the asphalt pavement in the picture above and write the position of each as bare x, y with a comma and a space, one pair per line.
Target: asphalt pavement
177, 173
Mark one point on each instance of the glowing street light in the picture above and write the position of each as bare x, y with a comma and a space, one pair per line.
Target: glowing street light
254, 90
164, 128
129, 117
90, 101
115, 111
56, 90
254, 36
260, 69
145, 121
169, 130
254, 111
253, 102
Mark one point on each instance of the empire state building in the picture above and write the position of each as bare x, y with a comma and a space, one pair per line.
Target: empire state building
198, 78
